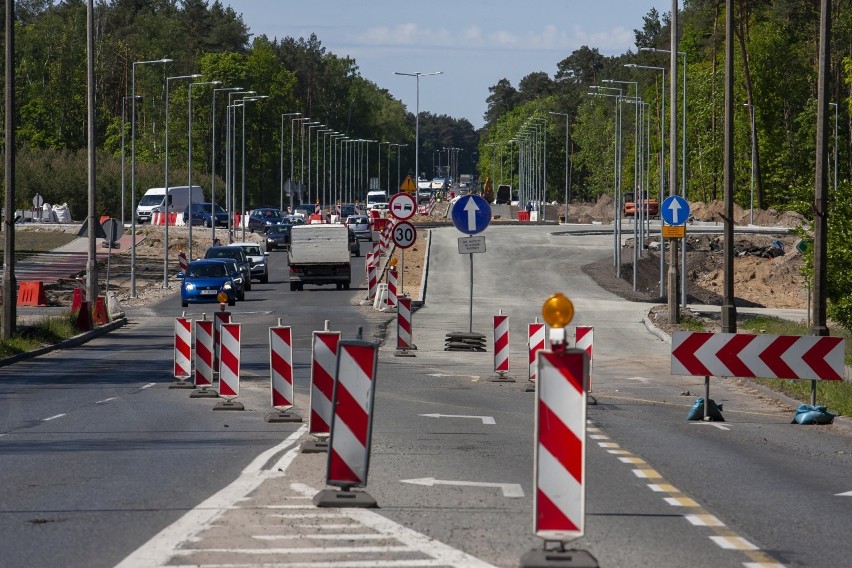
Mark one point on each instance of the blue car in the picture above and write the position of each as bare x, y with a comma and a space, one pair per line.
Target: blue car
204, 280
206, 214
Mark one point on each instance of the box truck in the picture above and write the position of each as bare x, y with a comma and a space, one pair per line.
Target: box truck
319, 254
155, 200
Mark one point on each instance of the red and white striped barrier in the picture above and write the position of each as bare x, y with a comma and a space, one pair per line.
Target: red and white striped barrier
392, 274
183, 348
376, 249
584, 337
281, 366
766, 356
352, 423
403, 324
204, 353
323, 369
182, 262
560, 447
219, 318
317, 208
372, 280
501, 343
229, 371
536, 334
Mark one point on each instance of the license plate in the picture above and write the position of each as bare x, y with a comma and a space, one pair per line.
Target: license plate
209, 292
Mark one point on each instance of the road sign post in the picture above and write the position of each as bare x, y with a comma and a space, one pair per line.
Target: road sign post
471, 215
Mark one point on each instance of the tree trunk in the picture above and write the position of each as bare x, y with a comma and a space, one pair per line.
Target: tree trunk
741, 32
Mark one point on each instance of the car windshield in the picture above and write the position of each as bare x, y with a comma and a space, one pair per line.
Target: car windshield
148, 200
207, 270
253, 250
223, 253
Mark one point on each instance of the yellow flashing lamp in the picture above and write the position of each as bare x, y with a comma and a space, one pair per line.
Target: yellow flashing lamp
393, 261
557, 311
222, 297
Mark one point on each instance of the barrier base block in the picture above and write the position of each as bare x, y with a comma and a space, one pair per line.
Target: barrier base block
203, 392
501, 378
282, 416
315, 447
403, 353
229, 405
181, 384
349, 499
530, 387
558, 559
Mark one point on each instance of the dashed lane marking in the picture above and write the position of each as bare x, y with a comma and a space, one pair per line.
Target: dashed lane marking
704, 520
49, 418
733, 543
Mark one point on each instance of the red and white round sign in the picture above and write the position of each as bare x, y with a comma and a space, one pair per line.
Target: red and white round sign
404, 234
402, 206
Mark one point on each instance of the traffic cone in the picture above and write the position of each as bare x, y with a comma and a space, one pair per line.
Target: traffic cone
77, 300
84, 317
99, 312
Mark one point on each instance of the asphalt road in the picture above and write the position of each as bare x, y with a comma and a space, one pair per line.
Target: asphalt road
101, 463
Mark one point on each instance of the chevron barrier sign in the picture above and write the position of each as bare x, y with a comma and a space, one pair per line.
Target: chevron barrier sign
809, 357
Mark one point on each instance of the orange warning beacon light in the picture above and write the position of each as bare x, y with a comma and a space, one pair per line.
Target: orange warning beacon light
557, 311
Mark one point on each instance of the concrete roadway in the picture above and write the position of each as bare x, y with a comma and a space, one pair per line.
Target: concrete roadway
161, 480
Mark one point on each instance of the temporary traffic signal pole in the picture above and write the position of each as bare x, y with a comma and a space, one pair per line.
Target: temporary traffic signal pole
281, 374
351, 427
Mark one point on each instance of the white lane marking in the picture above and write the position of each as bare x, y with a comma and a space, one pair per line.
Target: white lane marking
330, 526
106, 400
344, 536
444, 555
162, 547
511, 490
847, 494
662, 488
334, 564
598, 436
485, 419
704, 520
647, 474
607, 444
328, 515
763, 565
733, 543
633, 460
713, 424
52, 417
295, 550
149, 385
680, 502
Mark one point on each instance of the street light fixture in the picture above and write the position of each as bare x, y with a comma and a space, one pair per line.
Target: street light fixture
417, 75
189, 157
311, 126
133, 174
167, 199
123, 100
229, 90
281, 205
243, 221
230, 157
567, 117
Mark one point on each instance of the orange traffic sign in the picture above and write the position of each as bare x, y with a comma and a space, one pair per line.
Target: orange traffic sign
408, 185
674, 231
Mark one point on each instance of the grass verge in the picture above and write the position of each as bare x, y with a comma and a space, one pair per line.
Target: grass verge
48, 331
836, 395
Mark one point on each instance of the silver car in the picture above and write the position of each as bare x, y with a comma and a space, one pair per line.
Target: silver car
360, 225
257, 260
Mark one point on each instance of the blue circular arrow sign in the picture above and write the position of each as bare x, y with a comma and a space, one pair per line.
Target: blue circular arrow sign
471, 214
675, 210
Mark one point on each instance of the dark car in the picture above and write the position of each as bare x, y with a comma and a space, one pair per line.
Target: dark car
204, 280
206, 214
233, 253
261, 219
354, 244
237, 278
278, 236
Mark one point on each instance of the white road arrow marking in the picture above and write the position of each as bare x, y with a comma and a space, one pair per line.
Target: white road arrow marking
485, 419
847, 494
674, 207
511, 490
471, 209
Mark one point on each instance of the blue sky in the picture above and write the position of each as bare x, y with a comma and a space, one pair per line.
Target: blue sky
474, 42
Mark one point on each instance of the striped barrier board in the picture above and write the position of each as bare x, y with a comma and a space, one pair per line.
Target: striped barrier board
281, 366
584, 338
536, 332
392, 274
183, 348
229, 372
204, 353
501, 343
352, 422
765, 356
560, 445
323, 369
403, 323
219, 318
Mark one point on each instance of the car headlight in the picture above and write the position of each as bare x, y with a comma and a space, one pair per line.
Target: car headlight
189, 286
226, 286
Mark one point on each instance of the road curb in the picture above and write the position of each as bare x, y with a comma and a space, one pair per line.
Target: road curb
75, 341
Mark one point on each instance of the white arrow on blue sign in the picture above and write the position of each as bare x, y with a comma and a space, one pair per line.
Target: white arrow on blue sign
471, 214
675, 210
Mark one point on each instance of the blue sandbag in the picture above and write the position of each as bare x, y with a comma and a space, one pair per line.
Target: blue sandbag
807, 414
697, 411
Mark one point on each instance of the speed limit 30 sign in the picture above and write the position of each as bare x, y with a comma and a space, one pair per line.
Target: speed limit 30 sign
404, 234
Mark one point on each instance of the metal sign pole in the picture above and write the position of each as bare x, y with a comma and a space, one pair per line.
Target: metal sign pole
470, 304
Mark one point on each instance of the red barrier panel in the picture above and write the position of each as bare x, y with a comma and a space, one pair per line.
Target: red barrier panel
31, 294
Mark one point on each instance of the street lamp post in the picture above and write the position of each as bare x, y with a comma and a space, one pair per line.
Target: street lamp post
167, 199
417, 75
567, 117
123, 100
230, 163
213, 161
243, 202
133, 174
281, 204
751, 111
398, 159
292, 157
311, 126
616, 233
189, 157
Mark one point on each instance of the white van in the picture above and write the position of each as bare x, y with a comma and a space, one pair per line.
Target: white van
374, 197
154, 200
